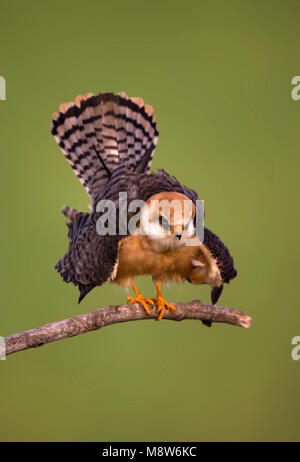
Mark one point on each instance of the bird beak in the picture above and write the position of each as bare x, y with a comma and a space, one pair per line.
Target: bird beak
215, 294
178, 231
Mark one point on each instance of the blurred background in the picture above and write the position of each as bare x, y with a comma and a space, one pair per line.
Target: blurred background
219, 77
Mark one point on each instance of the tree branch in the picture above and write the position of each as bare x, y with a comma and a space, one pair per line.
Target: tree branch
123, 313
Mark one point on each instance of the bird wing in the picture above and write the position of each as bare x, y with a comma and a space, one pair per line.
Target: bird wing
91, 259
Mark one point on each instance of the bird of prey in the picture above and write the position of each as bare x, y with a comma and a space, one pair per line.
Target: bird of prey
109, 140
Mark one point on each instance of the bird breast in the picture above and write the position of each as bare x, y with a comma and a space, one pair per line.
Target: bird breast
137, 257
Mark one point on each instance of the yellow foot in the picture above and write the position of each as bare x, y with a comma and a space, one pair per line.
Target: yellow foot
139, 298
161, 305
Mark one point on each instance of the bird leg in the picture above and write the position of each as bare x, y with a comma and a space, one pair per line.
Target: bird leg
139, 298
161, 303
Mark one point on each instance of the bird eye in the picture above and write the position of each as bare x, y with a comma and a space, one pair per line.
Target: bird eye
164, 223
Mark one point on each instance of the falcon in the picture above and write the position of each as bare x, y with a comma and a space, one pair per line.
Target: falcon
109, 141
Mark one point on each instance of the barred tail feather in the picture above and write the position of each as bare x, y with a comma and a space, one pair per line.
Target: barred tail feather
99, 133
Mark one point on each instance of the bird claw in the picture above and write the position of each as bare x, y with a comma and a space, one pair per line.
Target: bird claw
139, 298
159, 301
161, 305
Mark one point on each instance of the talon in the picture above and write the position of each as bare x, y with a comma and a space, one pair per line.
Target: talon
159, 301
161, 304
170, 306
161, 311
139, 298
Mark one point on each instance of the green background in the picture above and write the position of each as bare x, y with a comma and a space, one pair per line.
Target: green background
219, 77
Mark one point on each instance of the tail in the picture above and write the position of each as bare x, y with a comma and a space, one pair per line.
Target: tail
99, 133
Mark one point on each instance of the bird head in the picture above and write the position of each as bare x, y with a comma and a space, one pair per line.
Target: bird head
168, 220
